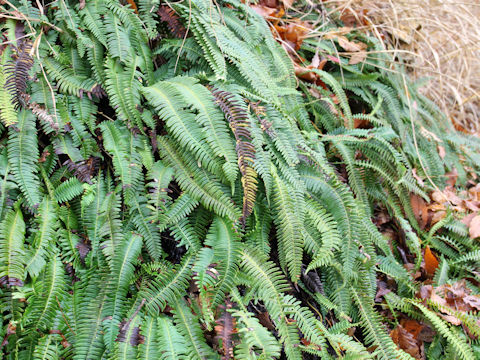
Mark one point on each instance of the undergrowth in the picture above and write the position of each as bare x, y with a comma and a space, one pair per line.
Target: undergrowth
170, 190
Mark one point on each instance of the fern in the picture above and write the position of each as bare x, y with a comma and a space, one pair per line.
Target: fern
12, 232
121, 277
8, 115
189, 327
48, 293
43, 238
183, 195
22, 155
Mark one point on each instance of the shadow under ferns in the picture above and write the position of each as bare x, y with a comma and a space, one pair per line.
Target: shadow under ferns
126, 129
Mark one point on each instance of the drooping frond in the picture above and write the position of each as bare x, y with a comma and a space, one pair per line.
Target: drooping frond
12, 237
238, 119
8, 115
174, 186
121, 278
16, 72
23, 155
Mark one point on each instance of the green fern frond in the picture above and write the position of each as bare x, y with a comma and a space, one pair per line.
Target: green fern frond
167, 287
120, 279
374, 332
181, 123
49, 291
8, 115
189, 327
442, 327
42, 241
23, 155
12, 255
171, 343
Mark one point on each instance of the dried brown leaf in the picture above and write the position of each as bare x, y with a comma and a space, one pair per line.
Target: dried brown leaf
358, 57
441, 151
420, 209
474, 227
263, 11
351, 46
406, 341
430, 261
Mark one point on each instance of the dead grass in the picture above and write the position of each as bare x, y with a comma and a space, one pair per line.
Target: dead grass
441, 40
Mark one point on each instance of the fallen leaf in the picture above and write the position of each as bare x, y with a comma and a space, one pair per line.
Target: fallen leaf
468, 219
438, 197
405, 341
472, 205
293, 33
451, 319
412, 326
287, 3
452, 196
425, 292
263, 11
420, 209
304, 73
400, 34
473, 301
358, 57
350, 46
452, 177
381, 292
270, 3
133, 5
441, 151
431, 262
351, 19
315, 93
438, 216
335, 33
474, 227
418, 178
315, 60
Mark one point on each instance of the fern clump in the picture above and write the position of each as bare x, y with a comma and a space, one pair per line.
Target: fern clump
169, 190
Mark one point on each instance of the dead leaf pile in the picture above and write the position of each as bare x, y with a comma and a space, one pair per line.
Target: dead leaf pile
357, 48
290, 33
451, 300
465, 205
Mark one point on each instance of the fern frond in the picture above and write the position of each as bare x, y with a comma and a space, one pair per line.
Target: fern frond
212, 120
42, 242
442, 327
189, 327
68, 190
12, 237
120, 279
16, 72
200, 186
170, 341
181, 123
23, 155
49, 291
289, 223
167, 287
374, 332
8, 115
239, 123
257, 342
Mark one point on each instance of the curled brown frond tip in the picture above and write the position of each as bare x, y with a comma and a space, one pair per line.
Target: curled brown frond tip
16, 72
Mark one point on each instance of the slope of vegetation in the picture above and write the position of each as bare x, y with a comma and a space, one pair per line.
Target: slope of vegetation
170, 189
